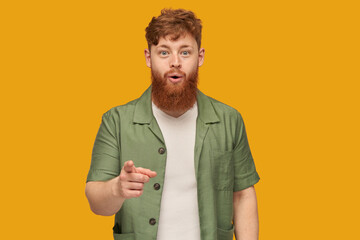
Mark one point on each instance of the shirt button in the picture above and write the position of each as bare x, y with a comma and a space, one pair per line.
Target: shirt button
161, 150
152, 221
156, 186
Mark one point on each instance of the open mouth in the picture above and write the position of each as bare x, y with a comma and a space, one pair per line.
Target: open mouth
175, 78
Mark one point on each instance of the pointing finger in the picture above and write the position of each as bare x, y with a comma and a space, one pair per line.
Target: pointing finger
138, 177
146, 172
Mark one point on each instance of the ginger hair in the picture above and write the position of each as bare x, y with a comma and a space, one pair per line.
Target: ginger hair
173, 23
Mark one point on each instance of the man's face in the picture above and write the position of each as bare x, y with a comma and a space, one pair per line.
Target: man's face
174, 66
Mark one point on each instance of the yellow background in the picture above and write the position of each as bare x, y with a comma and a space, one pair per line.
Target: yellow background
290, 67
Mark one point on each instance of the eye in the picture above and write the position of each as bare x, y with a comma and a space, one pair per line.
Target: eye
163, 53
185, 53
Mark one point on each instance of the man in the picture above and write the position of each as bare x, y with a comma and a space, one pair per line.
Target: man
174, 164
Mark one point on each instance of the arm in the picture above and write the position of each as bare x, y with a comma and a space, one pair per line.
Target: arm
106, 198
102, 197
246, 220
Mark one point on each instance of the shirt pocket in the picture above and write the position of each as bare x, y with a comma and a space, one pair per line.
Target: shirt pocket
223, 171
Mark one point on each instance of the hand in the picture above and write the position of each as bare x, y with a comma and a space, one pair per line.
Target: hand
130, 182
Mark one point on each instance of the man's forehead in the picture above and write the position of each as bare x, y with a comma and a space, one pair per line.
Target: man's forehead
184, 39
175, 36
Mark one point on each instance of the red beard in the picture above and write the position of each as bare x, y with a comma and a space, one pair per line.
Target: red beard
174, 97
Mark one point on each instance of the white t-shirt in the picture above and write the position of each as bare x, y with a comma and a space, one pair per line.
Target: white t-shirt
179, 213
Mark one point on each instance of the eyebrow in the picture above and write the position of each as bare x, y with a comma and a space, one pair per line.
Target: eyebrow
167, 47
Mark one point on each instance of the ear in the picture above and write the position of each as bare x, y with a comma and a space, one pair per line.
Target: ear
201, 56
148, 57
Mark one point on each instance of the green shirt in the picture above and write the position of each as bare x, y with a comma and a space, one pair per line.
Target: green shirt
223, 164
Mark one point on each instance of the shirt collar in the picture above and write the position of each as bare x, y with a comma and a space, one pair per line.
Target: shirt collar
143, 110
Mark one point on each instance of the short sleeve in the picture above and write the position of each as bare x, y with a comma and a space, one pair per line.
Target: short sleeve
244, 166
105, 159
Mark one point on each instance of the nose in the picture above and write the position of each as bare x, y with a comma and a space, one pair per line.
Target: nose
175, 61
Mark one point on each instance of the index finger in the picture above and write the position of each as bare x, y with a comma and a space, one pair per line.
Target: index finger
146, 172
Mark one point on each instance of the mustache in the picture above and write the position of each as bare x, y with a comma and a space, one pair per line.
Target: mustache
174, 71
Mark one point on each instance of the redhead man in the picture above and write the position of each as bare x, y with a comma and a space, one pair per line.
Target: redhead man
174, 163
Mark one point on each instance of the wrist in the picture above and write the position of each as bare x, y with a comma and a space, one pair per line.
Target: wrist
114, 187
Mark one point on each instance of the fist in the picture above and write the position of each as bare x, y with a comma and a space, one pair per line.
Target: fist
130, 182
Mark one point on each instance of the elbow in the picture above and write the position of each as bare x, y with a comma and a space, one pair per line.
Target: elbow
99, 212
94, 203
95, 208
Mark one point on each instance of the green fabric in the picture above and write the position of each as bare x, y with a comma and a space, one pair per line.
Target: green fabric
223, 164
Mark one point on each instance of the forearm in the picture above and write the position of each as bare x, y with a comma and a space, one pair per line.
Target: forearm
246, 220
102, 197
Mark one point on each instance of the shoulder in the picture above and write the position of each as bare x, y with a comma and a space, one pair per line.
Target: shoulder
224, 111
121, 110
